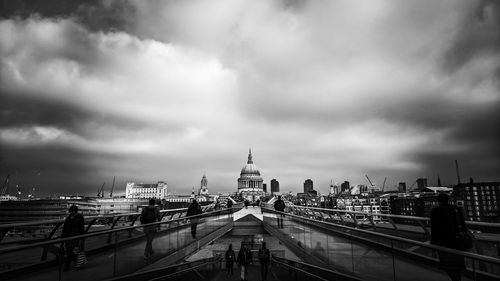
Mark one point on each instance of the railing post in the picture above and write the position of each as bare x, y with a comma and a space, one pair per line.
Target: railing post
52, 232
474, 276
393, 261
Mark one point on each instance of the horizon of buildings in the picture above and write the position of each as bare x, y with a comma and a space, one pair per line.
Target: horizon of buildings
251, 172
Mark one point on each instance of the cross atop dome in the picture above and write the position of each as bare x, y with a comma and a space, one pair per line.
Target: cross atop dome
250, 161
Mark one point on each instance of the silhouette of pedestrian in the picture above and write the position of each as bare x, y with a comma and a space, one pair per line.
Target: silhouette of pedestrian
150, 214
229, 203
73, 225
244, 259
264, 259
194, 209
319, 251
217, 205
443, 233
230, 257
279, 205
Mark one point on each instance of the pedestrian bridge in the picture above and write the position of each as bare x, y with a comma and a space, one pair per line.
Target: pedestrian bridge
311, 244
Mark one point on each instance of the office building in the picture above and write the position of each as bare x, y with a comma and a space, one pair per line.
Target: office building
146, 190
479, 200
275, 186
308, 186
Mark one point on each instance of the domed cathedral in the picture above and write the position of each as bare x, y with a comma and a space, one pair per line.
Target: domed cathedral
250, 181
203, 186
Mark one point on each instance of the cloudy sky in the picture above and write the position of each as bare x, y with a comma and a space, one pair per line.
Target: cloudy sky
326, 90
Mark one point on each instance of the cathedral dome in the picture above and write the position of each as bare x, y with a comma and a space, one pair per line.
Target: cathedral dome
250, 170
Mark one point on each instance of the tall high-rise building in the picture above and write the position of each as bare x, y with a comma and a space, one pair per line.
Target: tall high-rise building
345, 187
421, 183
275, 186
308, 186
264, 187
402, 187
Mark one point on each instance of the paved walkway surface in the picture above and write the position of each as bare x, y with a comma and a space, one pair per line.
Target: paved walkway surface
253, 274
255, 211
222, 244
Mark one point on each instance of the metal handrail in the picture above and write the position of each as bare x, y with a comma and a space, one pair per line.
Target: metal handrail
288, 263
53, 221
395, 238
148, 273
427, 219
208, 261
109, 231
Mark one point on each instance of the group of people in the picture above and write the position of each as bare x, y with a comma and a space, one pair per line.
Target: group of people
245, 258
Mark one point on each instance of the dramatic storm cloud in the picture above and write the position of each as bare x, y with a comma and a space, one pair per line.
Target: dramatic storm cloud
168, 90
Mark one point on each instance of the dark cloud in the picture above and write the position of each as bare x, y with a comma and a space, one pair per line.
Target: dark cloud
94, 14
20, 111
51, 170
478, 35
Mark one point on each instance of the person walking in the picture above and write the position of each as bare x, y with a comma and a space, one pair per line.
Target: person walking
264, 259
445, 222
194, 209
244, 259
149, 215
229, 203
230, 257
217, 205
279, 205
73, 225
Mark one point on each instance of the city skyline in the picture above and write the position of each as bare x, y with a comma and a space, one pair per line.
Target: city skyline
149, 91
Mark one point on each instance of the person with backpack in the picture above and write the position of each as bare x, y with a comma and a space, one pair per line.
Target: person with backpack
264, 259
244, 259
279, 205
230, 257
149, 215
194, 209
229, 203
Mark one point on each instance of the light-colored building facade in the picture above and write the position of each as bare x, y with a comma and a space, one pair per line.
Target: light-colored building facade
146, 190
250, 182
203, 186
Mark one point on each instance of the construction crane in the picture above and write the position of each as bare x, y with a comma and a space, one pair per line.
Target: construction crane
371, 183
383, 185
409, 189
458, 172
100, 192
5, 185
112, 187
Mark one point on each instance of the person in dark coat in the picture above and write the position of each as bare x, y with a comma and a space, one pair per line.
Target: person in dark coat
73, 225
244, 259
230, 258
264, 259
194, 209
150, 214
443, 233
217, 205
229, 203
279, 205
